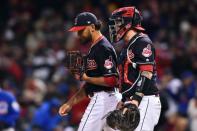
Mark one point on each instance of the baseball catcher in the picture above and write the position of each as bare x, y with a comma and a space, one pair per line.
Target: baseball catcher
137, 66
124, 119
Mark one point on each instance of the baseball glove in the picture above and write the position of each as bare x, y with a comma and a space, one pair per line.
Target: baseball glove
75, 62
124, 122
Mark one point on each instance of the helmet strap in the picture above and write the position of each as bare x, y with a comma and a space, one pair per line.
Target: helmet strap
123, 31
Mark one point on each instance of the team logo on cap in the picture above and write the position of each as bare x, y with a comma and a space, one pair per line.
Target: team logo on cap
76, 19
108, 63
147, 51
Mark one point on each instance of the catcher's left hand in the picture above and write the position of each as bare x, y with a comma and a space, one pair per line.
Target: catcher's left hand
125, 119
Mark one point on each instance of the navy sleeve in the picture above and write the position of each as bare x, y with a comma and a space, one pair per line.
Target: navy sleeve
106, 60
144, 52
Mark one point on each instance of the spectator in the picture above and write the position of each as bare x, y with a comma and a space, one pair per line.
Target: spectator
187, 92
46, 117
192, 113
9, 111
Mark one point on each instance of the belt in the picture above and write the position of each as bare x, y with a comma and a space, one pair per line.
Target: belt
91, 94
150, 94
156, 95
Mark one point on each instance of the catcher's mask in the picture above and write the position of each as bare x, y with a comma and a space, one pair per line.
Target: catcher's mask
122, 20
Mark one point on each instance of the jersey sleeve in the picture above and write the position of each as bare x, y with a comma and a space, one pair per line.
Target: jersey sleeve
144, 53
106, 60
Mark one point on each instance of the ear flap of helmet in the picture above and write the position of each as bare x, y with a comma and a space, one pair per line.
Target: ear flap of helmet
112, 29
137, 18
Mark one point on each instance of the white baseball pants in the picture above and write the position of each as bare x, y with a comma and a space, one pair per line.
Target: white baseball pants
94, 117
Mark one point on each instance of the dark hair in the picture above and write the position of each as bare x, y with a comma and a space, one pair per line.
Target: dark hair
98, 25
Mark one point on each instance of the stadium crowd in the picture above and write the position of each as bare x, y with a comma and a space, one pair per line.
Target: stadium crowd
34, 40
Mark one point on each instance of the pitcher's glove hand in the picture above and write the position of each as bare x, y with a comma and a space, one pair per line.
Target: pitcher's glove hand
75, 62
125, 119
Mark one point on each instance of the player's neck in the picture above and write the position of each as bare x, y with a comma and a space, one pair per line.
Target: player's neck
96, 36
129, 35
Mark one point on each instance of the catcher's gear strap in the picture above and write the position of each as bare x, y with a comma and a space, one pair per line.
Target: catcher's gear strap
143, 82
137, 97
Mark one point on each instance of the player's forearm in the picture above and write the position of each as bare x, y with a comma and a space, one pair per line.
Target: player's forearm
80, 95
143, 82
110, 81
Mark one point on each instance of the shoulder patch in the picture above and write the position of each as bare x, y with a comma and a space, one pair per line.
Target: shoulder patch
147, 51
108, 63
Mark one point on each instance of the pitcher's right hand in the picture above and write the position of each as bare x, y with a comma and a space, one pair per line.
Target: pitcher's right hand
64, 109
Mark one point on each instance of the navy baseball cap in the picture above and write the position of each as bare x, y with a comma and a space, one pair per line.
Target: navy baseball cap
82, 20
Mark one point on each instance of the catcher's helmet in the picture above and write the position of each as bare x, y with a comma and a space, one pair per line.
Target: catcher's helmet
122, 20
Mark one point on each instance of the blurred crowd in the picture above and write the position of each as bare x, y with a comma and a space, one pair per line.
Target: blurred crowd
34, 40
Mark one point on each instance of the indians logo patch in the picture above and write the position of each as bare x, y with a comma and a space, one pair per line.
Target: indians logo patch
108, 63
147, 51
